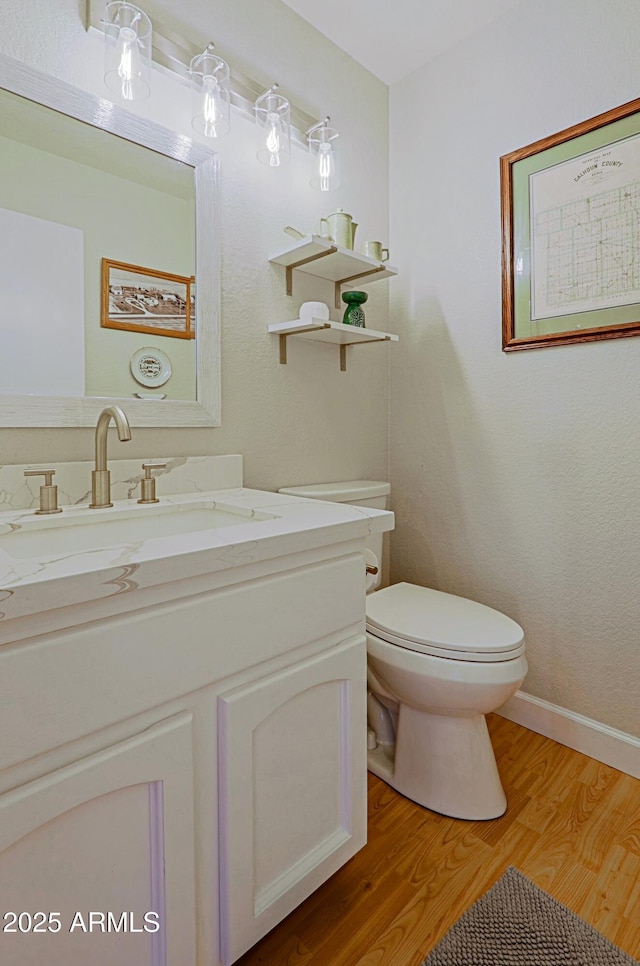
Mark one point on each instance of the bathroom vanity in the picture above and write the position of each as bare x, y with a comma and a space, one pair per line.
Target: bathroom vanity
182, 713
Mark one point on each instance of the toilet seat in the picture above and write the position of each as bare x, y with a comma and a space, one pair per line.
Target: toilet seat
431, 622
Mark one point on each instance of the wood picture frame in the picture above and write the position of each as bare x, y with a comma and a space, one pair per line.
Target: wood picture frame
139, 299
571, 234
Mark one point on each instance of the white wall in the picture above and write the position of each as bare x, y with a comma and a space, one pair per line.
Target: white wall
516, 477
306, 421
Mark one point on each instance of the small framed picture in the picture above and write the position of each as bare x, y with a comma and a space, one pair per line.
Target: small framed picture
145, 300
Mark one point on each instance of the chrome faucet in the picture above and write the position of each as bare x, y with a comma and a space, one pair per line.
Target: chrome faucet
101, 477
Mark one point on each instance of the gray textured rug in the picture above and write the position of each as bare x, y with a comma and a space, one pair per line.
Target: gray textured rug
517, 924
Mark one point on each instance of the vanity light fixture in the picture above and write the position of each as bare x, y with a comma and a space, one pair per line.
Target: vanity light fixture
211, 93
127, 50
325, 174
273, 118
216, 88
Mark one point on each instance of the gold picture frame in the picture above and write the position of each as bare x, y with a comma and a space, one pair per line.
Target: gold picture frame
145, 300
571, 234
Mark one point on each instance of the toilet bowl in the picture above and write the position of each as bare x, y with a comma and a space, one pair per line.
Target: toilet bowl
441, 663
436, 665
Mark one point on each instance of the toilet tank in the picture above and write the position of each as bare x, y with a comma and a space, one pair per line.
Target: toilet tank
368, 493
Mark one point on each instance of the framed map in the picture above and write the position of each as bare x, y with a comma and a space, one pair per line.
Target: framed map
571, 234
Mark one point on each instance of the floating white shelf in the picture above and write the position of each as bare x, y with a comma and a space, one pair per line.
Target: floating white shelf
321, 330
321, 257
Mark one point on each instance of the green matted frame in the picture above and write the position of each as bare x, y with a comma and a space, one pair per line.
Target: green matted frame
592, 147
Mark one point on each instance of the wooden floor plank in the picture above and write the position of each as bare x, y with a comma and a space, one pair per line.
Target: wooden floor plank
572, 826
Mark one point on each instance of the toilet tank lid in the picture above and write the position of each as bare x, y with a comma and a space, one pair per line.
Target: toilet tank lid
348, 492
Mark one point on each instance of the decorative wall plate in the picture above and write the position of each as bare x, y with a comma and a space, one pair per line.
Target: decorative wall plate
150, 366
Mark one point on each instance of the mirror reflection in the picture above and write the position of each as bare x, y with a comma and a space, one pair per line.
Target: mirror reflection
98, 240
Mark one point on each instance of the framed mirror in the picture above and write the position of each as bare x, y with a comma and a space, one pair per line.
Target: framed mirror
110, 262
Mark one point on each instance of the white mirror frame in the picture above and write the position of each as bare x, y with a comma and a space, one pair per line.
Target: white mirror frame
64, 411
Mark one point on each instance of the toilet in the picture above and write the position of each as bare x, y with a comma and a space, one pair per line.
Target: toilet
436, 665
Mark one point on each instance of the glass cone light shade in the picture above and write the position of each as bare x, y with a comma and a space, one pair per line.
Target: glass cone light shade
273, 119
211, 94
127, 60
325, 174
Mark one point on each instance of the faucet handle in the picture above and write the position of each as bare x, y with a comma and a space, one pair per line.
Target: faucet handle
148, 483
48, 492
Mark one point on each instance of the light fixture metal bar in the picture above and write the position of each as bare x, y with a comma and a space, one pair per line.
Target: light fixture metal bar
173, 52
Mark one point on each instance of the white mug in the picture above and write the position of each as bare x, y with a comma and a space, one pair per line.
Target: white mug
375, 250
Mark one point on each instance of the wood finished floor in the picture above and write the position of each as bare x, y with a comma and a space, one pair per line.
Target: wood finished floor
572, 826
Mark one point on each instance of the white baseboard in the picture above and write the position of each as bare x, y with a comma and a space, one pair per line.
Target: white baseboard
599, 741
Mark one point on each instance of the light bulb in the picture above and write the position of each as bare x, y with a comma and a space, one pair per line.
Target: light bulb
325, 156
210, 105
210, 93
127, 51
273, 120
274, 145
128, 57
326, 166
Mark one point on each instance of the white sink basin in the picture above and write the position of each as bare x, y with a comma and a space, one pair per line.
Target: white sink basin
84, 530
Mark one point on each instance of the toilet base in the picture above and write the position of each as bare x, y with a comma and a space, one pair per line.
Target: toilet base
444, 763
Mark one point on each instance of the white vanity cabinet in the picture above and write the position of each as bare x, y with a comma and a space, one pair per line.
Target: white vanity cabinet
192, 751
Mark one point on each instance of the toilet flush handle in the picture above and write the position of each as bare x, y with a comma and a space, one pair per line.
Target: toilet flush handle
371, 570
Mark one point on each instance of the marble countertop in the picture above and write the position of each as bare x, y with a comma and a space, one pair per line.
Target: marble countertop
269, 525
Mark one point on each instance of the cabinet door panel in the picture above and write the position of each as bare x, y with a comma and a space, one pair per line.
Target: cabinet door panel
292, 788
111, 833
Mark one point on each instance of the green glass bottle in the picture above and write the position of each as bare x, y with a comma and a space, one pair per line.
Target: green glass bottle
354, 313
